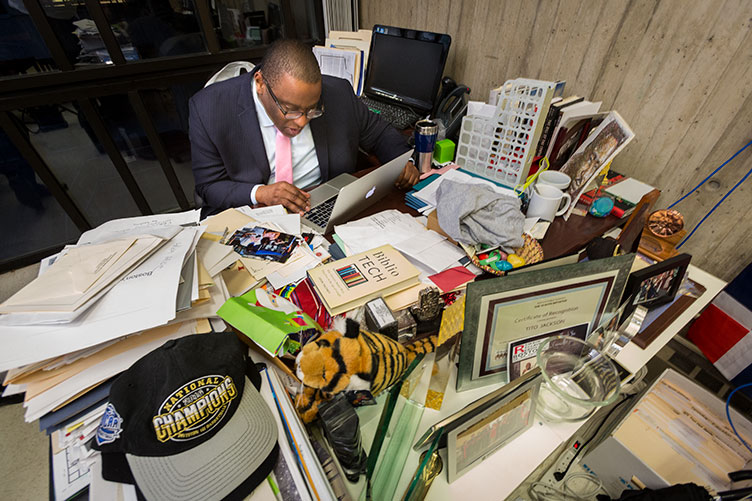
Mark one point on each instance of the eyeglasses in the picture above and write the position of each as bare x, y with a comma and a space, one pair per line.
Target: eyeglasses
294, 115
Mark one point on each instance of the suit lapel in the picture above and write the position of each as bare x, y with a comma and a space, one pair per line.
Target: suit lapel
318, 130
250, 130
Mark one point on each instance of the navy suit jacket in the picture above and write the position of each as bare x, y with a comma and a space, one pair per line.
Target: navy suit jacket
227, 149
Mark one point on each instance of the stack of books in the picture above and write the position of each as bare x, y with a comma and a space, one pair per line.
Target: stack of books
353, 281
567, 125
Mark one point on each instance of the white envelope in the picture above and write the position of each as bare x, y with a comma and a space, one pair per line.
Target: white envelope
71, 275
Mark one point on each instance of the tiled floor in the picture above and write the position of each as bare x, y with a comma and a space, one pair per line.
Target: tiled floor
24, 457
93, 183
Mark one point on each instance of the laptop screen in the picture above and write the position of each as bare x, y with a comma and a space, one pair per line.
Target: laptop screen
406, 66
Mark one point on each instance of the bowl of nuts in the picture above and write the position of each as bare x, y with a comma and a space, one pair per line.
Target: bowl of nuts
664, 223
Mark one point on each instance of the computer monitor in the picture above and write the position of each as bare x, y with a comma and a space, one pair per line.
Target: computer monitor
405, 66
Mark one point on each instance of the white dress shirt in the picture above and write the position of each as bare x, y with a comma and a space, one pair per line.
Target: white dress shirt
305, 163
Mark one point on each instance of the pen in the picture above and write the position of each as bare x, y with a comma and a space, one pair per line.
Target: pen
224, 235
273, 484
73, 428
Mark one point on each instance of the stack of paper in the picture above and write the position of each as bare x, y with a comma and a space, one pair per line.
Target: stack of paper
121, 291
80, 274
428, 194
345, 63
124, 289
678, 432
412, 201
358, 40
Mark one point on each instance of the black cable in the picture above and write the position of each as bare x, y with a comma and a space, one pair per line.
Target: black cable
559, 475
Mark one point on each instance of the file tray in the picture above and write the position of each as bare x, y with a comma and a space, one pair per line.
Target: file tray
501, 148
676, 433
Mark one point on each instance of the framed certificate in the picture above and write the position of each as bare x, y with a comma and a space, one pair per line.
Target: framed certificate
506, 309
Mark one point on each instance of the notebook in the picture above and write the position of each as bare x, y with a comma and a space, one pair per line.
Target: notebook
346, 194
404, 73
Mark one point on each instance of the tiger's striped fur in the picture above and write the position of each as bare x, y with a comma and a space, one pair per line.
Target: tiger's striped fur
356, 360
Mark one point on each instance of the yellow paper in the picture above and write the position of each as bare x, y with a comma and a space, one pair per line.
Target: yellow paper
452, 321
238, 279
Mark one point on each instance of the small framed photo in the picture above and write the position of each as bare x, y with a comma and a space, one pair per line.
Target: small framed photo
657, 284
502, 420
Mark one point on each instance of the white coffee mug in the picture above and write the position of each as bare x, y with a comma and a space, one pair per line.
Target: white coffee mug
554, 178
546, 202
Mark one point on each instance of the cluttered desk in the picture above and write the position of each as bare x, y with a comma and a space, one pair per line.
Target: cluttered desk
412, 347
85, 366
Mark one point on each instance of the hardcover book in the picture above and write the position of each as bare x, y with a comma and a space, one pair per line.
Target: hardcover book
353, 281
537, 125
552, 119
570, 136
578, 109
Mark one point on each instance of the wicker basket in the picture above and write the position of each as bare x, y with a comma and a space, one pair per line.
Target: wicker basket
531, 251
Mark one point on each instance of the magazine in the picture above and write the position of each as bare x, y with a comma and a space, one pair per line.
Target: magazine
523, 352
264, 243
601, 146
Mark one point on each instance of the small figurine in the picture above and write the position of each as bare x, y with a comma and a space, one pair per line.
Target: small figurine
429, 305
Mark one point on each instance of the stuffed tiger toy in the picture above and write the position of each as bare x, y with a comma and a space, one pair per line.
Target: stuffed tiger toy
357, 360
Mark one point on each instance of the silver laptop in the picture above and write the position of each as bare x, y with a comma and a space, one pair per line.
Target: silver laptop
346, 195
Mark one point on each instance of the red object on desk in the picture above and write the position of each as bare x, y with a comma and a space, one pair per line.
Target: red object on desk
452, 278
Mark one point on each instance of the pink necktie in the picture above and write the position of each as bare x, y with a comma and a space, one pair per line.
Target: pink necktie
283, 161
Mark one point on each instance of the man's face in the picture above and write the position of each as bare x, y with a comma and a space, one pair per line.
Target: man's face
292, 95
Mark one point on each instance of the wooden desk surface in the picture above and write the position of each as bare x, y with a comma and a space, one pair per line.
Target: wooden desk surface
562, 237
567, 237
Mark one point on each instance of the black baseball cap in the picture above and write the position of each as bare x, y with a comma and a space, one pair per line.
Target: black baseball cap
187, 422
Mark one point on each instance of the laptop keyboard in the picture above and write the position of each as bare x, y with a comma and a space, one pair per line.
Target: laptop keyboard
321, 213
400, 118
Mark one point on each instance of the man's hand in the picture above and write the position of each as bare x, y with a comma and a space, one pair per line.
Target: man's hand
408, 177
294, 199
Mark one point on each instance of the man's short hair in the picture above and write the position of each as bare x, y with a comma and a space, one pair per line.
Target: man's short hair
291, 57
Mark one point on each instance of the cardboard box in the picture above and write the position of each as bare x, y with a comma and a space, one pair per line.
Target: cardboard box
676, 433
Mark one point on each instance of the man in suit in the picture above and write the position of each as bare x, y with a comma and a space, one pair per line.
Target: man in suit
262, 136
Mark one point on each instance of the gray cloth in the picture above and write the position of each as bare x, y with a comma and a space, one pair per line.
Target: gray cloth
475, 213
